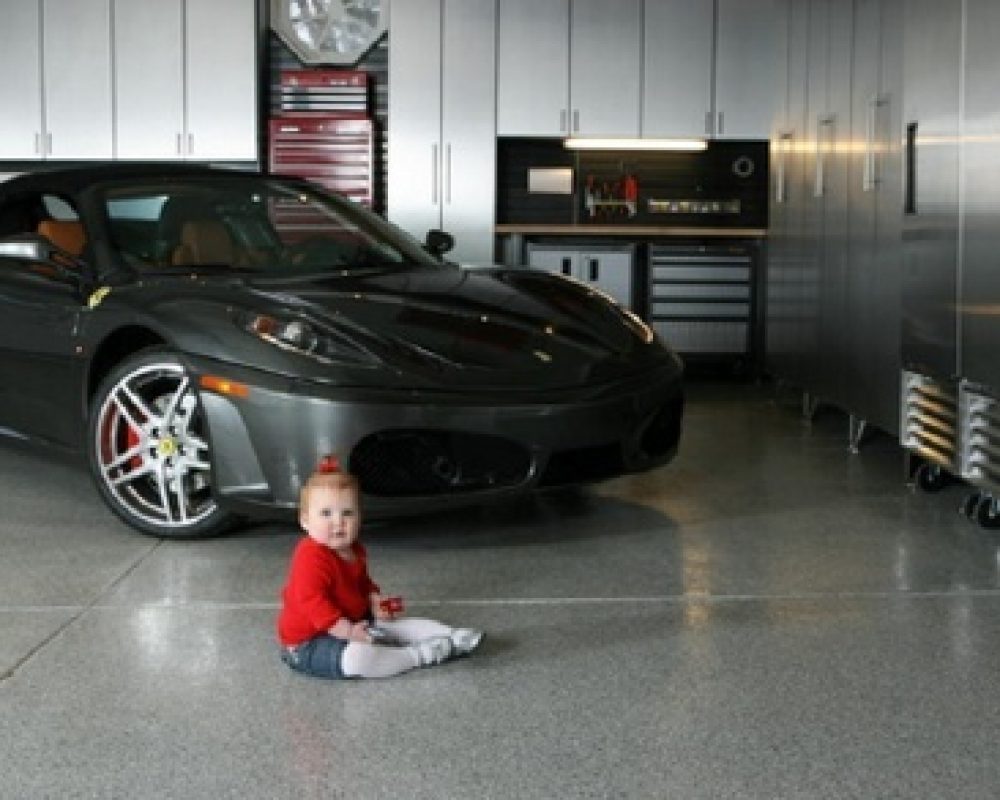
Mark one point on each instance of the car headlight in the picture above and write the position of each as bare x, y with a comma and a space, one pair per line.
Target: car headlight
300, 336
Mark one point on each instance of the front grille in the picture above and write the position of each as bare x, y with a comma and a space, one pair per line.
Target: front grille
411, 463
583, 465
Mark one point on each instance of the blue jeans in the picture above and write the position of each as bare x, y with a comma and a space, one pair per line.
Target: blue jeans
319, 657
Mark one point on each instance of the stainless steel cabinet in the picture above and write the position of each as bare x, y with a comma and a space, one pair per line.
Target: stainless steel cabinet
678, 64
748, 67
606, 267
22, 133
442, 134
711, 68
57, 93
568, 67
183, 90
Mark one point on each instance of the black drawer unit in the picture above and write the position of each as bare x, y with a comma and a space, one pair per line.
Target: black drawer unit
702, 299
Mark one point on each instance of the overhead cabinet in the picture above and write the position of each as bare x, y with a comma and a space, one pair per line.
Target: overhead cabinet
57, 57
568, 67
185, 79
711, 68
442, 122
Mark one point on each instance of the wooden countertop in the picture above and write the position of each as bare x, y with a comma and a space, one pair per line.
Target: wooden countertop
632, 231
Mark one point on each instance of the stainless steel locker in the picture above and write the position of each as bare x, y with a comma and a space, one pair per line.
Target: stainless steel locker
932, 57
873, 283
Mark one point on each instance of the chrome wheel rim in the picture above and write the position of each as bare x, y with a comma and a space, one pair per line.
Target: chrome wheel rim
152, 452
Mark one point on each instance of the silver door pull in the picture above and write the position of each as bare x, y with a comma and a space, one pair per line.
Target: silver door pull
447, 173
434, 174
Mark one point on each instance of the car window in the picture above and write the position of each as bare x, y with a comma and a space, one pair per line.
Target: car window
257, 225
59, 209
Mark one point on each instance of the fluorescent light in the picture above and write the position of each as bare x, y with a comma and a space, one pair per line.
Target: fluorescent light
584, 143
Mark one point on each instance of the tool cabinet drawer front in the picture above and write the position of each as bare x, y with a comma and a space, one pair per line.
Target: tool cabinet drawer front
701, 273
700, 291
695, 309
704, 337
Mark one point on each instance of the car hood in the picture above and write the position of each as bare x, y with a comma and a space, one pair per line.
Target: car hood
495, 326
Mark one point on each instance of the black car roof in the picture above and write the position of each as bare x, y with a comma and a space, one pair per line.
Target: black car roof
73, 179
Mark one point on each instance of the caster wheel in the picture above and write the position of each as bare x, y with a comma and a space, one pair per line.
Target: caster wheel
970, 508
932, 478
988, 512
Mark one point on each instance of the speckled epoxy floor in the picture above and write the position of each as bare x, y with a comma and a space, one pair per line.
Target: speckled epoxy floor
768, 617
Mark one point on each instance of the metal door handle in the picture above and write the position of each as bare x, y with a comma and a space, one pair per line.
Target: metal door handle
576, 120
38, 143
190, 151
447, 173
722, 122
708, 123
784, 147
824, 124
434, 174
48, 144
562, 121
180, 144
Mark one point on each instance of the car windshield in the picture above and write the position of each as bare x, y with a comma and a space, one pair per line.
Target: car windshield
250, 224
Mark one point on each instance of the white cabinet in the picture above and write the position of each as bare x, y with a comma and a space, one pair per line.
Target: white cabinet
21, 133
568, 67
749, 64
185, 79
677, 68
711, 68
57, 95
442, 122
605, 267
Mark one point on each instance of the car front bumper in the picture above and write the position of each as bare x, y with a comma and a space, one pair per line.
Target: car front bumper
420, 451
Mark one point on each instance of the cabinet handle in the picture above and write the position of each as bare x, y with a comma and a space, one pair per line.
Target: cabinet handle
708, 123
190, 144
562, 121
910, 170
823, 124
567, 266
722, 122
180, 143
447, 173
48, 144
594, 272
434, 174
784, 147
38, 143
868, 165
576, 120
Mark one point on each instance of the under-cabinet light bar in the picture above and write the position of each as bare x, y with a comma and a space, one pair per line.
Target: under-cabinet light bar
585, 143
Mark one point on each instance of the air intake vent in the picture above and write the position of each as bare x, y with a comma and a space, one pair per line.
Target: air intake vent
929, 419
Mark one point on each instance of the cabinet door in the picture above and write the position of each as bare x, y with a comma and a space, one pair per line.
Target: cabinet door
221, 40
414, 168
532, 67
604, 78
149, 79
21, 99
748, 67
77, 78
468, 126
677, 68
610, 271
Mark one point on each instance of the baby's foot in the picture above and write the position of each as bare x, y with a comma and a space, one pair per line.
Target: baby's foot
465, 640
433, 651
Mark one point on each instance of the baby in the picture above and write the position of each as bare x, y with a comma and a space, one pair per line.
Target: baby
334, 622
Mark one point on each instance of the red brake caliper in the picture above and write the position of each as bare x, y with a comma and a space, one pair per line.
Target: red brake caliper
132, 438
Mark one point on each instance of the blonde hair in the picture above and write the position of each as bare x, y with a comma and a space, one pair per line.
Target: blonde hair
337, 481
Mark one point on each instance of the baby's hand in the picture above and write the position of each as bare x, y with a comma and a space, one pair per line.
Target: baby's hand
389, 607
359, 633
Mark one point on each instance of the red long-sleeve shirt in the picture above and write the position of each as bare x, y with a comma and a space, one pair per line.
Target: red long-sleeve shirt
322, 587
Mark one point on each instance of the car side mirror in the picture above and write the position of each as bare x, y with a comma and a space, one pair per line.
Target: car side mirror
438, 242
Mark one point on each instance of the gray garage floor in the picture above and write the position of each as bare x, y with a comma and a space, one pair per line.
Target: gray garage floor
768, 617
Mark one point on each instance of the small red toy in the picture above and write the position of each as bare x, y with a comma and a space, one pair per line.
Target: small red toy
328, 465
391, 605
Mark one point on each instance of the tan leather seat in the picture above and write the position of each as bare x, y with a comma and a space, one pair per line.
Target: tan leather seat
204, 242
66, 235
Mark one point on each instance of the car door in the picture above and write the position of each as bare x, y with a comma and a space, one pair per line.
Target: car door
41, 373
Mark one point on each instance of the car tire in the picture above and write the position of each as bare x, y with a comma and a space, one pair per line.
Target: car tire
148, 449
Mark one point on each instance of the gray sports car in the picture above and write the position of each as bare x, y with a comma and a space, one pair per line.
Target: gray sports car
205, 335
